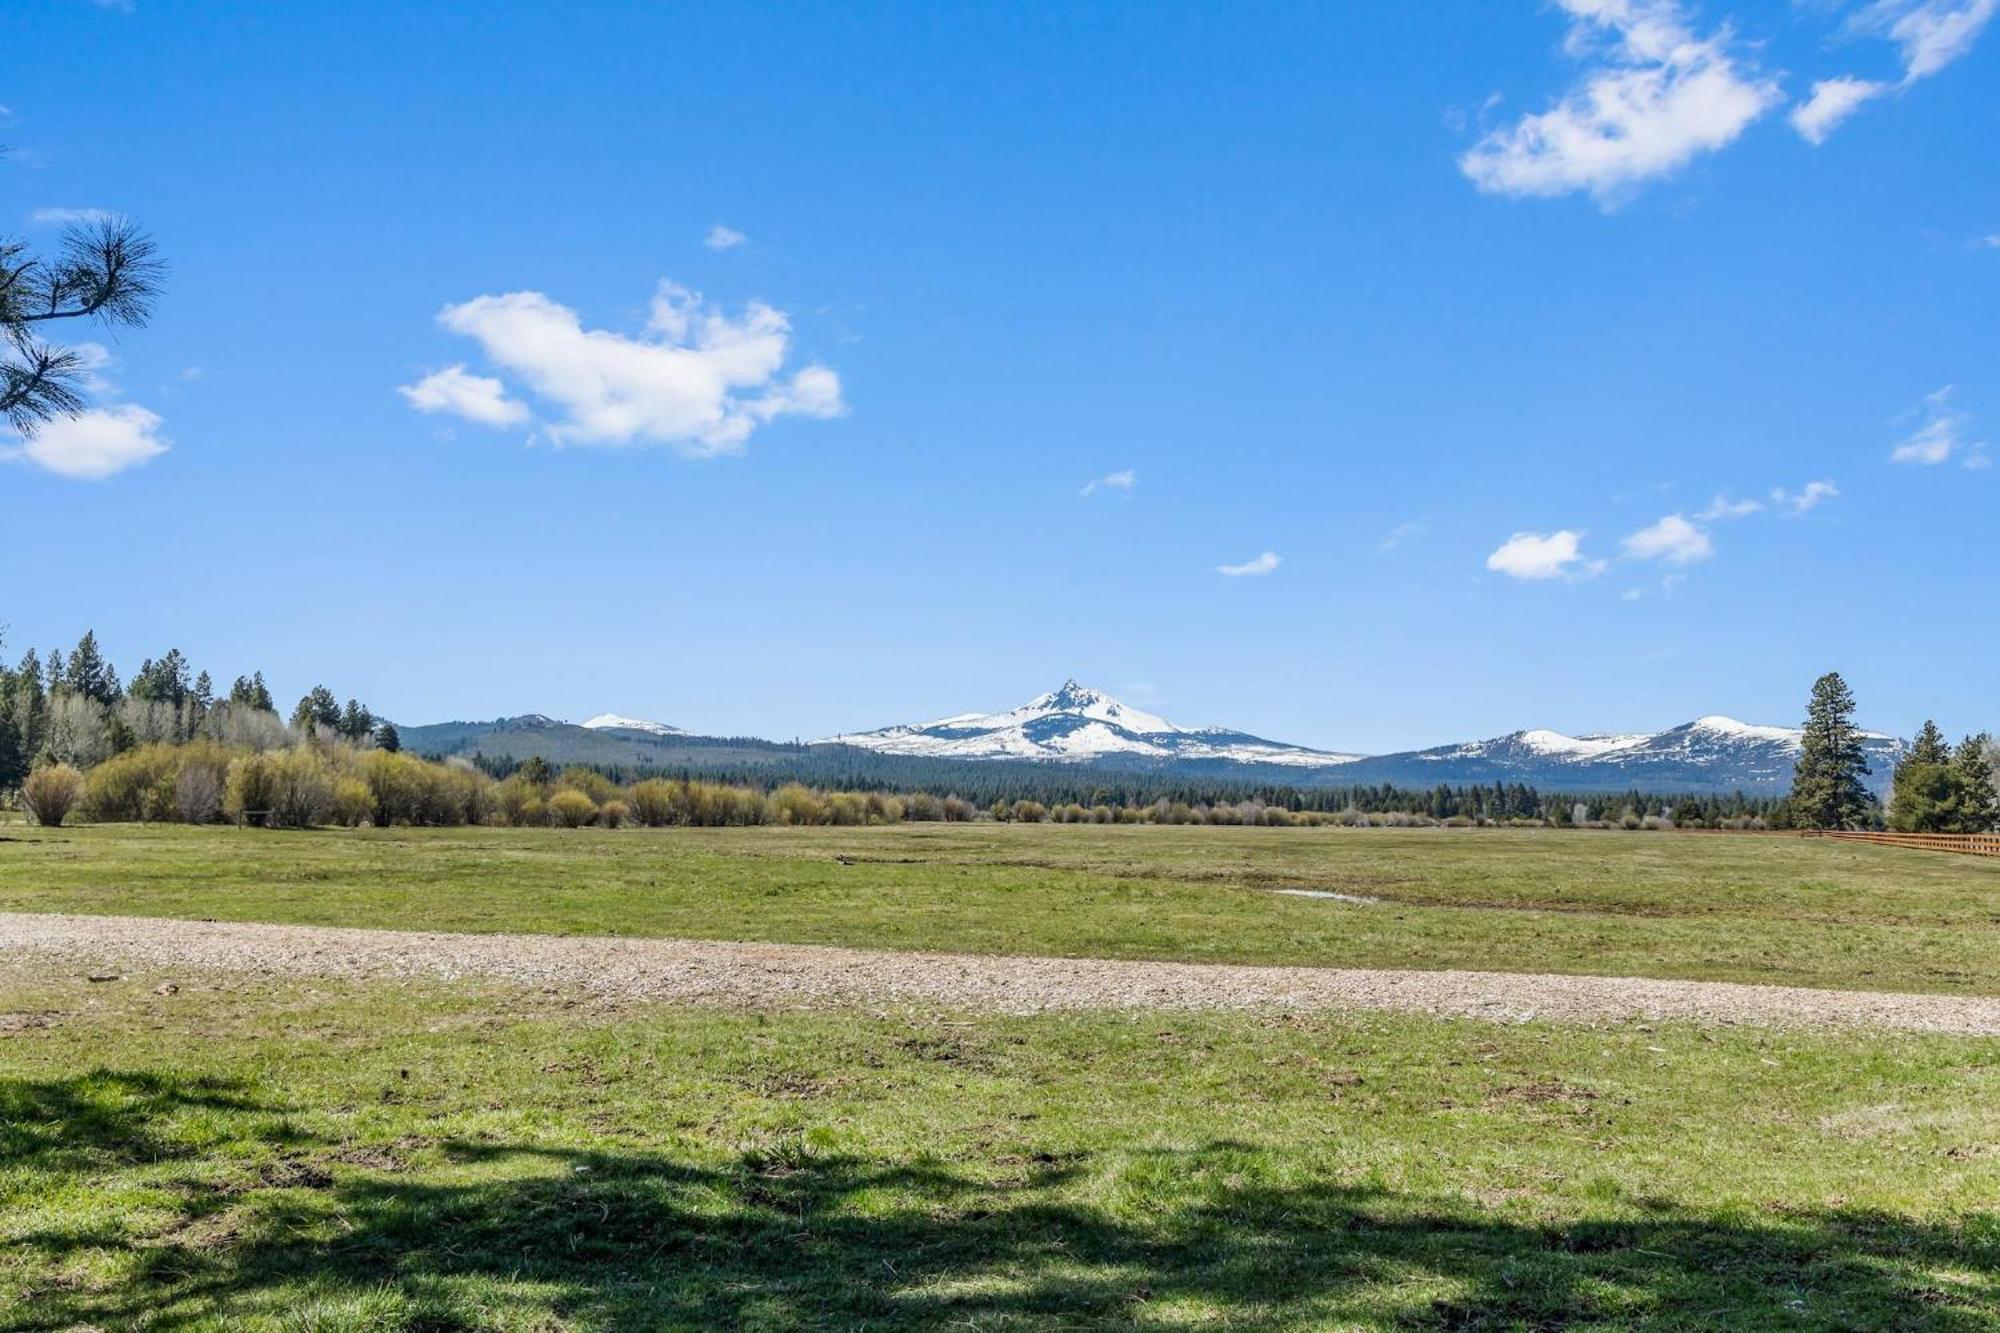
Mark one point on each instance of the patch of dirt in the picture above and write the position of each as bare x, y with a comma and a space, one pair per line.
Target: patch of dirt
601, 971
294, 1174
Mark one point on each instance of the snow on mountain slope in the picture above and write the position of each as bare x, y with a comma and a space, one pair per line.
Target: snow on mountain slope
613, 722
1718, 752
1075, 724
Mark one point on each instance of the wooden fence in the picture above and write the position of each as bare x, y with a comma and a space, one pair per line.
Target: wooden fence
1970, 844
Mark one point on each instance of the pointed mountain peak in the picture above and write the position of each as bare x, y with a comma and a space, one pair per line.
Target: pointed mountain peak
1073, 694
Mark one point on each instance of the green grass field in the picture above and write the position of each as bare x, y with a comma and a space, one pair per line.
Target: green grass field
414, 1158
1713, 907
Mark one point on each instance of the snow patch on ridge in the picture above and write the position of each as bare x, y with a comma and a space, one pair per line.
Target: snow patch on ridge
615, 722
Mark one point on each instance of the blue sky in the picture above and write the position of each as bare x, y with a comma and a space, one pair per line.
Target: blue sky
1445, 325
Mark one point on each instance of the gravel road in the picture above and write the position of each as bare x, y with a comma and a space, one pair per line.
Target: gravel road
807, 976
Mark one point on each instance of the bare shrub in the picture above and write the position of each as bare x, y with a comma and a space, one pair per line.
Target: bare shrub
198, 791
51, 792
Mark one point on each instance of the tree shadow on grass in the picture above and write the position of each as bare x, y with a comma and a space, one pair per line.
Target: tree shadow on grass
786, 1236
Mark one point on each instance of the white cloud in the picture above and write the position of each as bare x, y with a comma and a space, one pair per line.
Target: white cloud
1535, 555
58, 217
477, 398
1722, 507
94, 444
723, 238
1658, 97
1931, 33
94, 358
1941, 436
697, 378
1832, 101
1809, 497
1111, 481
1672, 539
1263, 564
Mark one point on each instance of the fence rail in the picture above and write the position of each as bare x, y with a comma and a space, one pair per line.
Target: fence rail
1970, 844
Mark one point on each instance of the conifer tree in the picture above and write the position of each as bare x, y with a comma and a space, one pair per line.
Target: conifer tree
108, 271
1929, 747
88, 674
318, 711
1979, 803
251, 692
1826, 786
356, 721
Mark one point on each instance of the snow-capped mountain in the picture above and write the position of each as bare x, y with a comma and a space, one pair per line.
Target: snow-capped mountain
1711, 753
614, 722
1077, 725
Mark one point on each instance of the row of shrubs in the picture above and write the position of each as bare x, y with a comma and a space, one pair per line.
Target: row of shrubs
315, 783
1278, 816
201, 782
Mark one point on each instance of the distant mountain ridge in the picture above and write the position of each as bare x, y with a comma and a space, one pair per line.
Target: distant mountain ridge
1712, 753
1075, 724
1087, 729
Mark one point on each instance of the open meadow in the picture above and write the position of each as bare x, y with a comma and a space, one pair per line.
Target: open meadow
1766, 909
187, 1150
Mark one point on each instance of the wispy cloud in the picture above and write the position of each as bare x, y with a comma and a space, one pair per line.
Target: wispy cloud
1657, 95
1832, 101
1722, 507
1673, 539
1931, 33
1804, 500
1928, 34
1111, 481
1263, 564
1940, 436
1397, 535
1536, 556
697, 378
63, 217
723, 238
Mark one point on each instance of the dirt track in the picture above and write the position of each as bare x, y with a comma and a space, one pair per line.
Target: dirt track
804, 976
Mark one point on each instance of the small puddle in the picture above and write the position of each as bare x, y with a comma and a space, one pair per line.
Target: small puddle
1357, 898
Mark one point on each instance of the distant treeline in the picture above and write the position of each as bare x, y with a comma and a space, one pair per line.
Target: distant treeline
171, 745
998, 783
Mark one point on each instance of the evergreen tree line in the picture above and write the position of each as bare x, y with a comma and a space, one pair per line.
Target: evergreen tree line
73, 709
991, 785
1939, 788
1935, 788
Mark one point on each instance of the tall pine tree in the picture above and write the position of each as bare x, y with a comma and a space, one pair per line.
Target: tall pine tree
1826, 786
1929, 747
1979, 804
